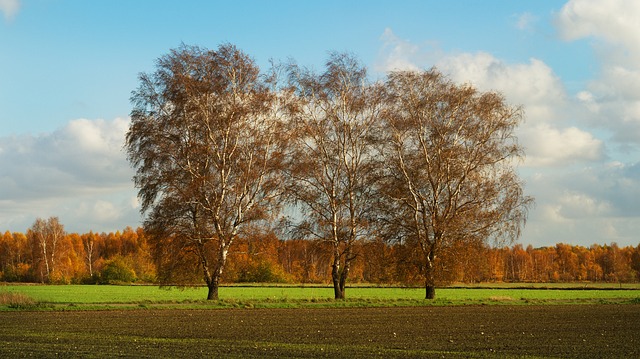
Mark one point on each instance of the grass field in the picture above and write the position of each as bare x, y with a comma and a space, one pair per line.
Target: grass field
105, 296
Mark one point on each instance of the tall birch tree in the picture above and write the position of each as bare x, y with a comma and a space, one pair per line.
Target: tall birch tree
331, 168
45, 237
450, 154
205, 141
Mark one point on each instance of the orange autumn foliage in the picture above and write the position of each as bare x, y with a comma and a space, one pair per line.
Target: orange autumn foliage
263, 257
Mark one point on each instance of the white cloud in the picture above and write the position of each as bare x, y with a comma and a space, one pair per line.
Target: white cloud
79, 173
614, 21
531, 84
134, 202
612, 26
585, 205
97, 136
545, 231
83, 156
548, 146
98, 210
525, 21
9, 8
581, 205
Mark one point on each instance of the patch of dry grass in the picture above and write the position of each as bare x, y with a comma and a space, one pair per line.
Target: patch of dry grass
501, 298
16, 300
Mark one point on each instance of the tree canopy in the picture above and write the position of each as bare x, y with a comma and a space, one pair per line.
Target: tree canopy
331, 169
449, 153
205, 142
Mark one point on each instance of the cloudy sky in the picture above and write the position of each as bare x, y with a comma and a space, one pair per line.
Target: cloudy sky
67, 68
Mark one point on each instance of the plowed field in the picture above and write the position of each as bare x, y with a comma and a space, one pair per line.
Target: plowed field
573, 331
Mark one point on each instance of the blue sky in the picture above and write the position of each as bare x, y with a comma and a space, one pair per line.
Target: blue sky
67, 69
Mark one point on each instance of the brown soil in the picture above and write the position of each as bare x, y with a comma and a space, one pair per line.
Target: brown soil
578, 331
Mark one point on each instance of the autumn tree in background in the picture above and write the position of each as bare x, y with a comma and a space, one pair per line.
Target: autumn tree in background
14, 256
88, 243
331, 168
635, 262
45, 237
306, 261
450, 166
205, 141
254, 258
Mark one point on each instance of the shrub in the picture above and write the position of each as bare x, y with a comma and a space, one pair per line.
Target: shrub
262, 272
116, 271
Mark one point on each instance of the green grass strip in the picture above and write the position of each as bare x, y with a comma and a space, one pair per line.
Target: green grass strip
73, 297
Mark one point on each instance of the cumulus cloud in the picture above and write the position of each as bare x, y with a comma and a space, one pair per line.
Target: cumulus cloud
547, 146
581, 205
96, 212
9, 8
530, 83
614, 21
83, 156
533, 84
614, 182
78, 172
614, 96
585, 205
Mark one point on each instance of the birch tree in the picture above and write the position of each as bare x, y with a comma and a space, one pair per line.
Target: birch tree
206, 144
88, 243
331, 166
45, 237
450, 156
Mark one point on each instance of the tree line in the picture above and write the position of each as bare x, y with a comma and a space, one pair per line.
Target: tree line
47, 254
221, 148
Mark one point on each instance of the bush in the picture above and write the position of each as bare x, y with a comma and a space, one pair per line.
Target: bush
116, 271
262, 272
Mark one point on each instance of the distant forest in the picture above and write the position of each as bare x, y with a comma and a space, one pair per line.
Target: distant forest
126, 257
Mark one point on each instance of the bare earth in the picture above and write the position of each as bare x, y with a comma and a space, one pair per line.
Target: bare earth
571, 331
